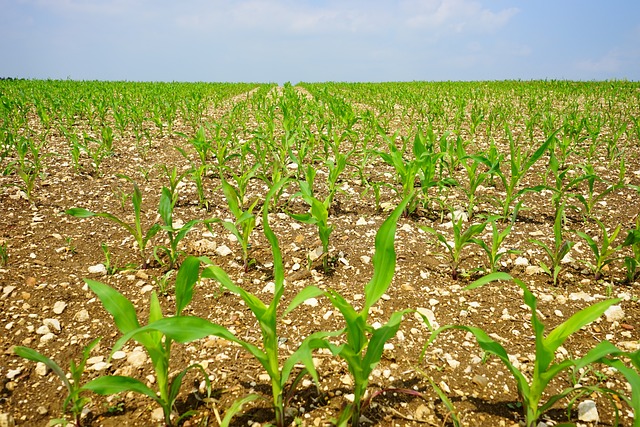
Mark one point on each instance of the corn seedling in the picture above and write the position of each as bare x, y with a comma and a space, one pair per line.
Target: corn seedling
558, 251
495, 251
533, 392
157, 345
318, 215
520, 163
603, 253
461, 238
406, 170
364, 344
632, 263
74, 403
141, 237
175, 231
592, 197
244, 223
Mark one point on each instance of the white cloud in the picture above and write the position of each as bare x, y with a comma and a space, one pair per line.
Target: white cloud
610, 62
456, 16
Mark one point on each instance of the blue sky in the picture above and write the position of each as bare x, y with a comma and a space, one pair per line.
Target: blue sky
320, 40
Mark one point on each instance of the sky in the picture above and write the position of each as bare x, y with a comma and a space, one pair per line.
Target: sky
320, 40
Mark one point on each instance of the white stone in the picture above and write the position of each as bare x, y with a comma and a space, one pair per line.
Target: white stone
582, 295
52, 324
311, 302
614, 313
47, 337
118, 355
98, 269
41, 369
137, 358
269, 288
82, 315
42, 330
12, 373
361, 221
99, 366
365, 259
59, 307
522, 261
588, 412
223, 250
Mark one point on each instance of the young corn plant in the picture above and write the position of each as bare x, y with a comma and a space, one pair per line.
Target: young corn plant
495, 251
520, 163
141, 237
604, 253
558, 251
74, 403
461, 238
592, 197
364, 344
318, 215
632, 263
533, 392
406, 170
157, 345
243, 225
175, 231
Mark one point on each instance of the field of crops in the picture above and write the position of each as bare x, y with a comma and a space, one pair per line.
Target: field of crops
391, 254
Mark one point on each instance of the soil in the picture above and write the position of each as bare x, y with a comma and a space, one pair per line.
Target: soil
50, 253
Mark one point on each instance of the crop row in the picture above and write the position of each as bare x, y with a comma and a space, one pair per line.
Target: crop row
468, 154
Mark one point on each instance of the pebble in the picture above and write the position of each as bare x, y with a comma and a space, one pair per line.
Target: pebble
361, 221
98, 269
52, 324
588, 412
223, 250
42, 410
59, 307
430, 316
41, 369
12, 373
614, 313
480, 380
7, 290
82, 316
118, 355
521, 261
137, 358
311, 302
47, 337
532, 270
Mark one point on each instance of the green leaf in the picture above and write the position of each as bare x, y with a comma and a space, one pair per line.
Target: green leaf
117, 384
35, 356
80, 213
488, 279
165, 207
585, 316
302, 296
122, 310
384, 259
186, 280
378, 339
236, 407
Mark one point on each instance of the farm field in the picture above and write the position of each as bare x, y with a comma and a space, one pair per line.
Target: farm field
260, 221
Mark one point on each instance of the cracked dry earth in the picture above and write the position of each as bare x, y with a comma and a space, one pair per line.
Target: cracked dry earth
45, 304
